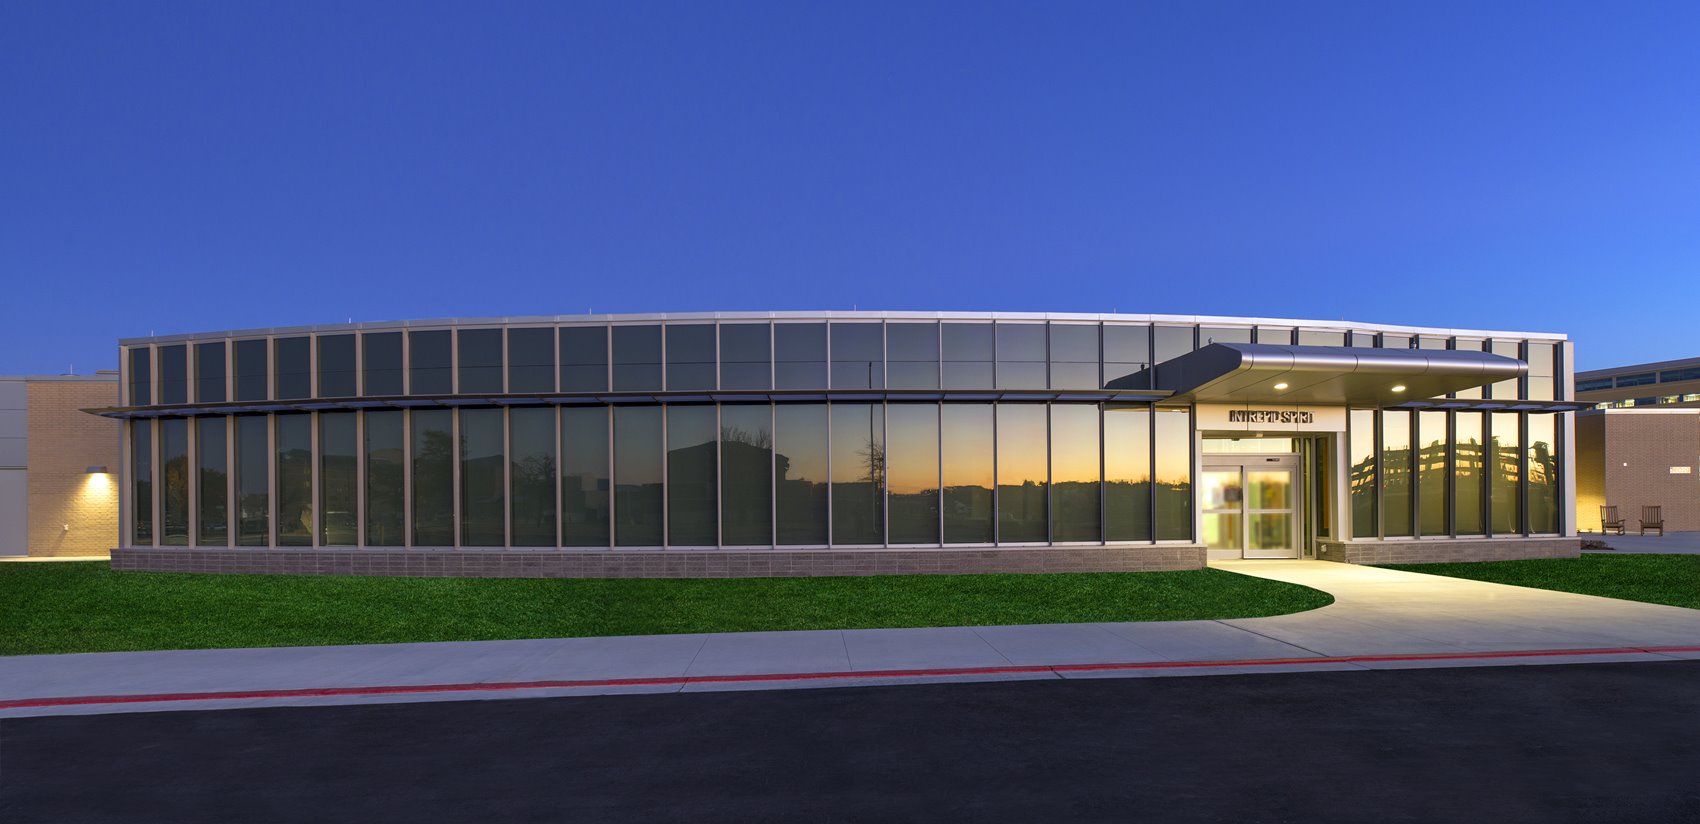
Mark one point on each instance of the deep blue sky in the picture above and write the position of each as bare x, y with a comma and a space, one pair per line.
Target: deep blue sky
178, 167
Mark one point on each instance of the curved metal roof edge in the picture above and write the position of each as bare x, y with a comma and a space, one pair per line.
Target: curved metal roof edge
1226, 320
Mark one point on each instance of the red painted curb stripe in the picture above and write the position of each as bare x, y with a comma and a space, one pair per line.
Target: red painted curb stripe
680, 680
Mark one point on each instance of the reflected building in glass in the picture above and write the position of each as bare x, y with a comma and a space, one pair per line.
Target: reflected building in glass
838, 443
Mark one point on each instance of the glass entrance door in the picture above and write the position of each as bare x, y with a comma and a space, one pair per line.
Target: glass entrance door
1250, 508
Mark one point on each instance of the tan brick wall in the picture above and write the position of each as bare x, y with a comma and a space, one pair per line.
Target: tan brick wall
1451, 550
70, 511
1650, 444
546, 563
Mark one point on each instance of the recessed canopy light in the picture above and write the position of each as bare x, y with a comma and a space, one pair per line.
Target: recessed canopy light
1280, 386
1399, 388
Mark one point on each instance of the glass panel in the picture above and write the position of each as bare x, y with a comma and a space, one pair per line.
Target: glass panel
1543, 473
1396, 473
141, 376
209, 372
1255, 445
1023, 473
429, 368
1431, 342
294, 480
968, 451
339, 479
799, 356
746, 475
858, 474
1473, 392
141, 480
1173, 440
1127, 474
1432, 472
1541, 376
1021, 356
1075, 473
1363, 339
800, 463
531, 368
692, 470
584, 360
174, 496
1222, 530
1168, 342
1395, 341
1223, 334
1271, 530
1361, 481
1312, 337
858, 356
174, 374
1074, 356
1470, 463
336, 366
1507, 504
381, 353
531, 468
1275, 335
912, 355
690, 356
250, 370
967, 354
483, 504
1221, 489
913, 438
386, 467
213, 456
253, 502
433, 477
1127, 351
637, 362
480, 361
584, 475
1509, 349
637, 474
1269, 489
293, 366
746, 359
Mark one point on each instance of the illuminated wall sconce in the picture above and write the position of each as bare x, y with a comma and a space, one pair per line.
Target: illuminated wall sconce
96, 470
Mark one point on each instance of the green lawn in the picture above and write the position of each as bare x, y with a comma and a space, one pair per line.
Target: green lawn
1657, 579
85, 607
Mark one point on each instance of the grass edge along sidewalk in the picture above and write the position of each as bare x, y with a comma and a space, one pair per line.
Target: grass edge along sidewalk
1672, 580
86, 607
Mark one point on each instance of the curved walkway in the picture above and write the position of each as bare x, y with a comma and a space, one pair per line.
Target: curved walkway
1380, 618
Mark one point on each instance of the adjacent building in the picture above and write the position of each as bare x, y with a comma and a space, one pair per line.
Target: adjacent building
58, 466
822, 443
1639, 444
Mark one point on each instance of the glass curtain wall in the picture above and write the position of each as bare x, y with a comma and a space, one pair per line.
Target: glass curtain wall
433, 458
1396, 474
1023, 474
968, 448
253, 469
858, 473
1172, 440
1505, 482
212, 477
746, 475
693, 470
209, 372
1127, 474
483, 493
1543, 474
1362, 478
1432, 472
800, 466
1075, 473
531, 473
585, 483
913, 440
174, 495
638, 471
1468, 469
339, 479
386, 479
294, 488
141, 483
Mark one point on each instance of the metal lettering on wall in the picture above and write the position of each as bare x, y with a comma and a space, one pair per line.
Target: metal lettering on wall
1269, 416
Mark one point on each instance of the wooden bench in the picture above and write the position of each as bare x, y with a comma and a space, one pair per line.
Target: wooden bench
1609, 520
1652, 517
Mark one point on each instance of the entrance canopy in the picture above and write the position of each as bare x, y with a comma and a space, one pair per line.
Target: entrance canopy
1270, 373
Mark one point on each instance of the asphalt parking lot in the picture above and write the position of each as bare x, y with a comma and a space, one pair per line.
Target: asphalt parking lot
1594, 742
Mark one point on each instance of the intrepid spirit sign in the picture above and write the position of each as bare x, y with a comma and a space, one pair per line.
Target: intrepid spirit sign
1265, 417
1269, 416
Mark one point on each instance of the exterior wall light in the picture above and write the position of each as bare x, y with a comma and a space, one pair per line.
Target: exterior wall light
1399, 388
96, 470
1280, 386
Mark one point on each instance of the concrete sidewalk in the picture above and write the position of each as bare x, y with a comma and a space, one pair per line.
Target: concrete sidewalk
1414, 619
1678, 543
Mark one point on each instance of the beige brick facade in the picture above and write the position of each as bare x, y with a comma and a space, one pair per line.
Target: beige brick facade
1446, 551
72, 512
1630, 458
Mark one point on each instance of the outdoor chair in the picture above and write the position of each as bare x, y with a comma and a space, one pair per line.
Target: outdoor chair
1609, 520
1652, 518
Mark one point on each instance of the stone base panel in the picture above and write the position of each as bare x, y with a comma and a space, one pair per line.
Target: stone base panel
519, 563
1449, 550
